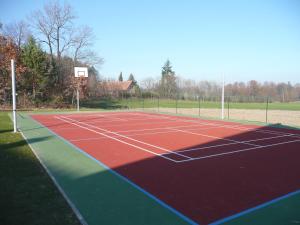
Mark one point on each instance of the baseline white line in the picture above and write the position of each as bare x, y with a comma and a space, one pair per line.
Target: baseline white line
213, 146
123, 136
237, 151
214, 137
124, 142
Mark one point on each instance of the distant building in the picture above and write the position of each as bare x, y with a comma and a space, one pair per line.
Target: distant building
116, 88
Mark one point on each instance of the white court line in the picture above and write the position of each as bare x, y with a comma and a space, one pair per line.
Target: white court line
236, 127
237, 151
123, 136
132, 119
128, 135
214, 137
213, 146
137, 124
124, 142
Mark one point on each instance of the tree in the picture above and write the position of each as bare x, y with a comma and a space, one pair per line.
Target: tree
18, 32
8, 51
131, 77
82, 42
120, 77
168, 86
34, 59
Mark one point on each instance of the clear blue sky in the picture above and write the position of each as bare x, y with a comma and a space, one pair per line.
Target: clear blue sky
257, 39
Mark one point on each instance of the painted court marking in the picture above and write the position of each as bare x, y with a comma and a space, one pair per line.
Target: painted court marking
123, 136
124, 142
105, 133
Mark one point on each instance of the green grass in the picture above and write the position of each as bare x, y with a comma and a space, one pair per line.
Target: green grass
169, 103
28, 195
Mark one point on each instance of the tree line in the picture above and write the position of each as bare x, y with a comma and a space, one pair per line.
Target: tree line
46, 46
169, 85
49, 44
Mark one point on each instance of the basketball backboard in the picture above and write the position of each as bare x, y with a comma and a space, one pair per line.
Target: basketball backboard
81, 71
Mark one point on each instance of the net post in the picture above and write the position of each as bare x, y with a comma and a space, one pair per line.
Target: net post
228, 101
223, 87
13, 82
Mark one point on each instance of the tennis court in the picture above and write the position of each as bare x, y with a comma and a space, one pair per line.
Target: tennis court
203, 170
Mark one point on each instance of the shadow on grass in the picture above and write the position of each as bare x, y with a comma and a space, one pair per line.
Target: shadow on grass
4, 131
22, 142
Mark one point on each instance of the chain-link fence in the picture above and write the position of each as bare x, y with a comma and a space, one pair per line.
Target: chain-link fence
259, 109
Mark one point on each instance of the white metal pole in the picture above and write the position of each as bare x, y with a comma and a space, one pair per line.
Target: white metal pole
223, 87
13, 83
78, 98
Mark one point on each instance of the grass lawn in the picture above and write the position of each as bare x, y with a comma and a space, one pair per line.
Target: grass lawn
28, 195
169, 103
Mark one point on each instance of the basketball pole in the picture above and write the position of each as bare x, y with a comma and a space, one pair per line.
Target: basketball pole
223, 87
13, 83
77, 92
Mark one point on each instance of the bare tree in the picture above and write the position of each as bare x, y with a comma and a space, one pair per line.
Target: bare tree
54, 27
149, 84
81, 43
18, 32
62, 17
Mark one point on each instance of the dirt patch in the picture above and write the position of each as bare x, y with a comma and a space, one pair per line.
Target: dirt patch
286, 117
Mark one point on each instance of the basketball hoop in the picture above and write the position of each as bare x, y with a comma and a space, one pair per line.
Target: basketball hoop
80, 72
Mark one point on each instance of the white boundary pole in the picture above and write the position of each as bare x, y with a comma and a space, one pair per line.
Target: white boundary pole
77, 97
223, 93
13, 83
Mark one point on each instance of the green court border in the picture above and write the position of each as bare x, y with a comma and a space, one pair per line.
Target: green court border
65, 164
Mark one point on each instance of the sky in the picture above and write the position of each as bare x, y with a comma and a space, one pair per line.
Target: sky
242, 39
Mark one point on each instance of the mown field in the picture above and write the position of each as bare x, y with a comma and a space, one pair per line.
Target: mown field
170, 103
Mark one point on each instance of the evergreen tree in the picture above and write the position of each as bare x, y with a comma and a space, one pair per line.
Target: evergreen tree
120, 77
131, 77
168, 85
34, 59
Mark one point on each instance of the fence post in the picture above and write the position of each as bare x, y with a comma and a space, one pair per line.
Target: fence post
127, 99
267, 107
176, 103
158, 103
143, 103
199, 106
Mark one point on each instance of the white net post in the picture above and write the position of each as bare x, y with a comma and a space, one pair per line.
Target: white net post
13, 83
223, 93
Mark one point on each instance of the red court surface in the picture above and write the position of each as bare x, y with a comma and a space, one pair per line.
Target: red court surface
206, 170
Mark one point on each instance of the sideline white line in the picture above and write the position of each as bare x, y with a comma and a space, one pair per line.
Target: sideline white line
214, 137
124, 142
123, 136
58, 186
237, 151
